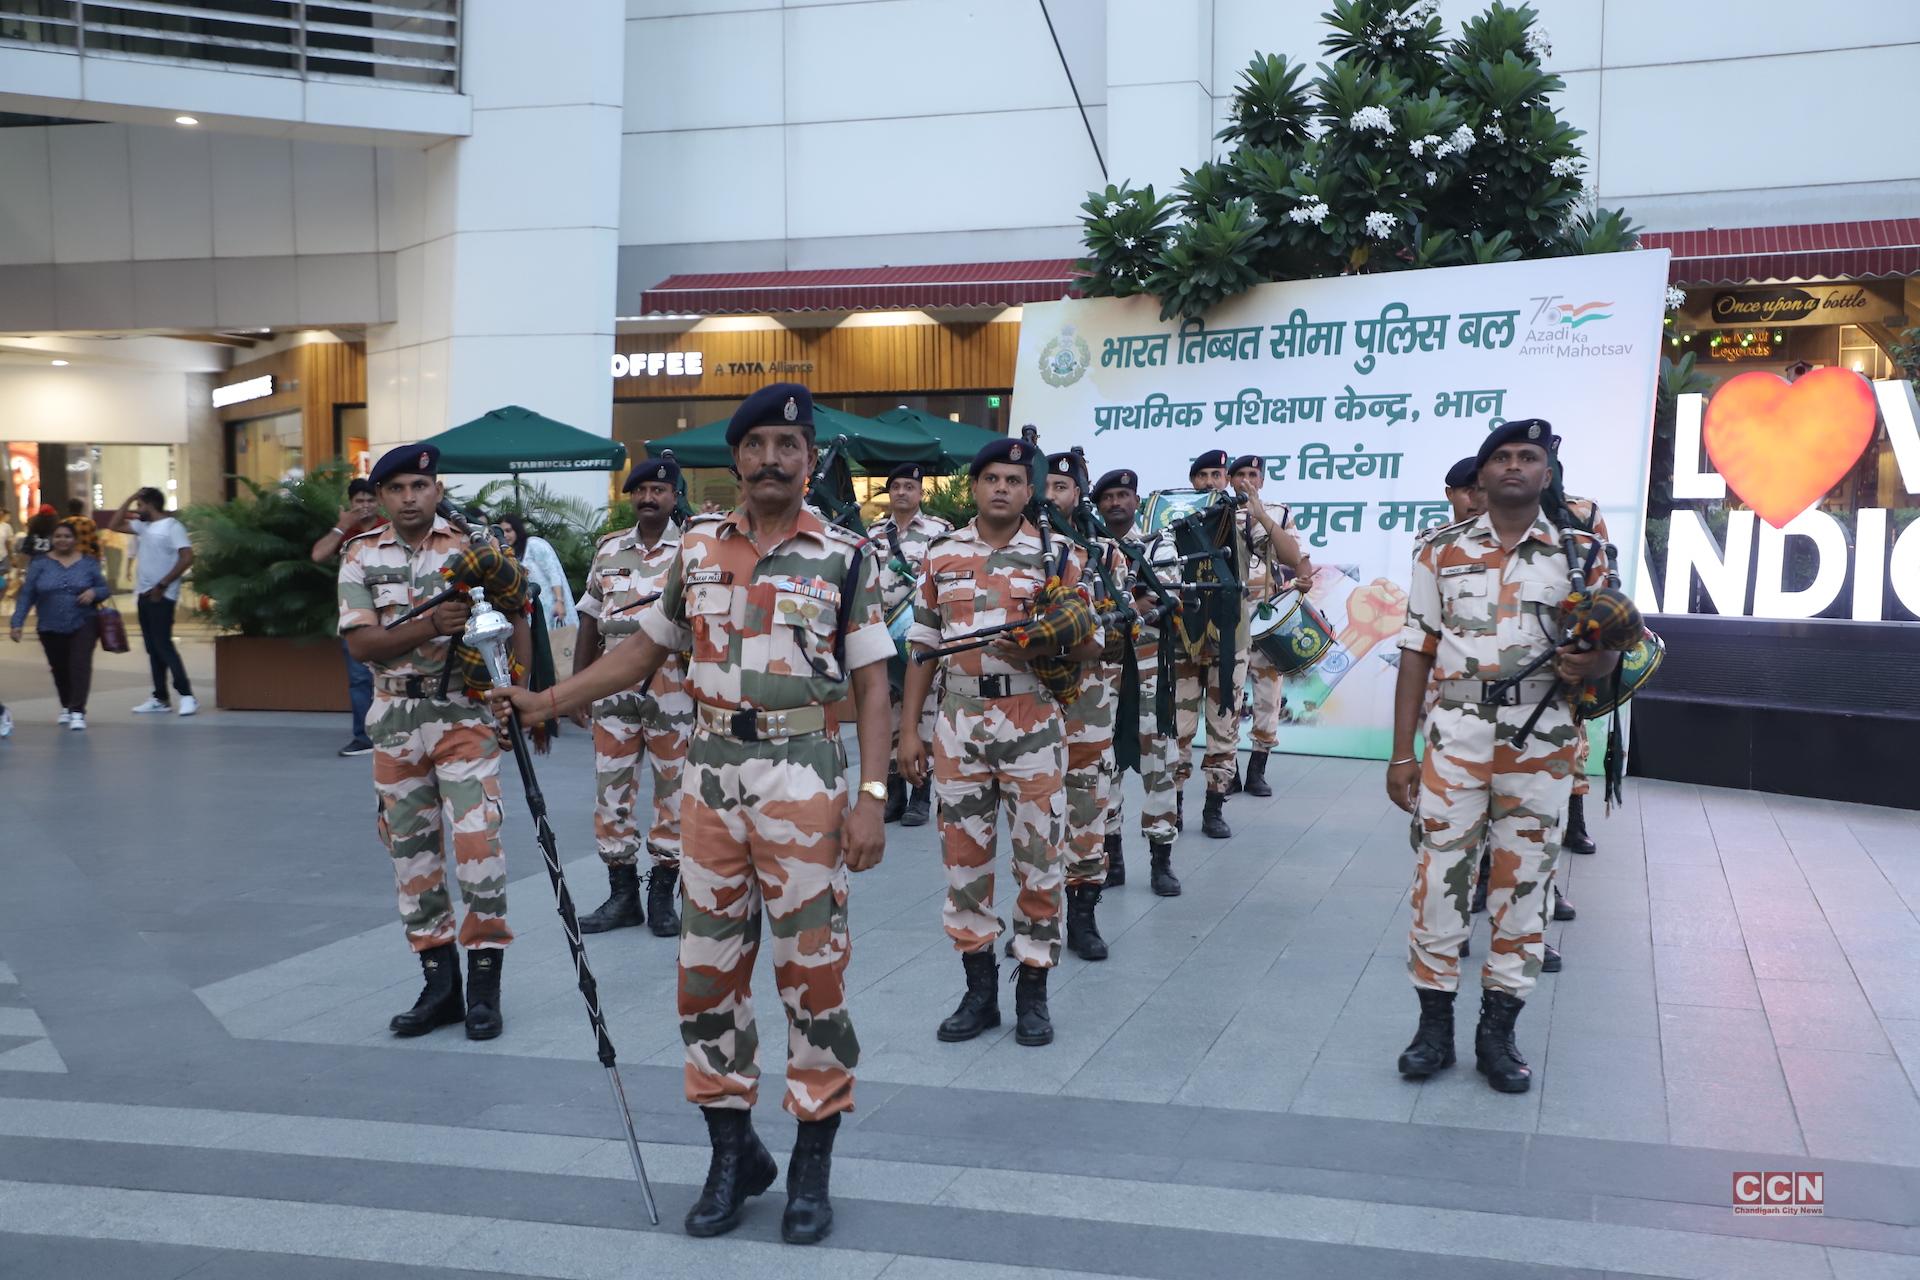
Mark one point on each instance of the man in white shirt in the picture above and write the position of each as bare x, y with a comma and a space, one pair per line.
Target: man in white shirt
162, 555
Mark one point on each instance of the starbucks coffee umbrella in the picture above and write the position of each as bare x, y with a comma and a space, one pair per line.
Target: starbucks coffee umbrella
874, 446
519, 441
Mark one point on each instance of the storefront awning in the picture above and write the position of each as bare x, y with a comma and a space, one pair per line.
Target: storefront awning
966, 284
1885, 249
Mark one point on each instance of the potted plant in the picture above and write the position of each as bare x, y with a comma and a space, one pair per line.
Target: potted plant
278, 647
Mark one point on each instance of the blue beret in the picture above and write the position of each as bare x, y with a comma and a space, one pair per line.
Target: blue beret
1121, 479
1464, 474
1211, 458
1003, 450
1519, 431
407, 460
778, 404
1246, 460
663, 470
907, 471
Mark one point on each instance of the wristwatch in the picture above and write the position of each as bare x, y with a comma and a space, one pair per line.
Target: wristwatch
878, 790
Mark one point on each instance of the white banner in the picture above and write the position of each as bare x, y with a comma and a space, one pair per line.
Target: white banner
1359, 394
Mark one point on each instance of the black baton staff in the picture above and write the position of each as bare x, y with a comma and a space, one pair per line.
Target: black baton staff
488, 632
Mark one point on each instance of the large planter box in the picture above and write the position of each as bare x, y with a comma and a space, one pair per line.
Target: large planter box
269, 673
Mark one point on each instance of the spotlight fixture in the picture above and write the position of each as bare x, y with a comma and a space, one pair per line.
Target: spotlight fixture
186, 120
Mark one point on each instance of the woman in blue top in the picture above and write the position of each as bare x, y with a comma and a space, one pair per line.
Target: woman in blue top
67, 588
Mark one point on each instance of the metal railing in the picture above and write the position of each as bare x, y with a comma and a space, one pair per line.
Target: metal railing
410, 42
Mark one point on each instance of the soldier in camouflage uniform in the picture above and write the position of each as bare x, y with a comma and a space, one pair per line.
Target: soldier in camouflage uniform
1000, 740
1474, 617
1117, 494
433, 746
1258, 536
1265, 579
1091, 778
781, 613
628, 571
903, 535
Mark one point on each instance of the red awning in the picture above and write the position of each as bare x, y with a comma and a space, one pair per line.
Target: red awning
1886, 249
966, 284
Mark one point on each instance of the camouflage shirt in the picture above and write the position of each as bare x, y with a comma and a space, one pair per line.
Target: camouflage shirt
914, 540
764, 630
1478, 610
1263, 570
381, 578
970, 585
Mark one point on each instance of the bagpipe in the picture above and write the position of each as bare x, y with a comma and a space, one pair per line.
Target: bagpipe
1062, 618
1211, 583
830, 488
682, 509
489, 566
1590, 618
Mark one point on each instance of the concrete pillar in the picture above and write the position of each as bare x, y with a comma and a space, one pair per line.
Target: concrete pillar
507, 240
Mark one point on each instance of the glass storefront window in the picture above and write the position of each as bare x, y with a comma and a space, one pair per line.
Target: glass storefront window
263, 450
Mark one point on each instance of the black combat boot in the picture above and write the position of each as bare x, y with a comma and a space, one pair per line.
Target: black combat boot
1083, 933
621, 910
809, 1215
741, 1167
1116, 862
1432, 1047
896, 797
1494, 1054
1160, 872
1549, 959
919, 805
1180, 809
1466, 947
1257, 775
1213, 824
980, 1008
663, 891
440, 1003
1480, 881
483, 993
1575, 838
1562, 909
1032, 1024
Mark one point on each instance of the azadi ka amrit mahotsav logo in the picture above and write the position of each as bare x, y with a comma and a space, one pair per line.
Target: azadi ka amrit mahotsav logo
1573, 315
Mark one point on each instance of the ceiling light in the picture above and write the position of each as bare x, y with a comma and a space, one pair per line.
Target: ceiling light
186, 120
59, 364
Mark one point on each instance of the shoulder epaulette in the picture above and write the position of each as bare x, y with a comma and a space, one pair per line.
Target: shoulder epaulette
362, 535
605, 538
704, 517
1434, 533
836, 534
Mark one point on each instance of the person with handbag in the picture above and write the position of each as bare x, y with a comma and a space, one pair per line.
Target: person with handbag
67, 588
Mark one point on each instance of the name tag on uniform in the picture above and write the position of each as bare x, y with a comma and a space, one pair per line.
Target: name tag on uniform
707, 577
1454, 570
954, 575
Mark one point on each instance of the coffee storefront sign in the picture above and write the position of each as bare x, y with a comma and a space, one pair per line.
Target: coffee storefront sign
659, 364
1799, 304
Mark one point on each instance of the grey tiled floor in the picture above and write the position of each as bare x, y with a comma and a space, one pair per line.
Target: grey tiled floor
198, 957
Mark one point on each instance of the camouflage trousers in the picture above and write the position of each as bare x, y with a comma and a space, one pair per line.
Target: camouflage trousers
1198, 693
428, 753
927, 712
761, 824
986, 753
1264, 677
1156, 769
1476, 788
1581, 748
624, 726
1091, 779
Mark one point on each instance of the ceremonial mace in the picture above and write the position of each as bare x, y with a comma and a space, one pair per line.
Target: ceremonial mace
488, 634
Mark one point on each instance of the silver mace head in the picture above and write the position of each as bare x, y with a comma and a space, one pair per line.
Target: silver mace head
488, 634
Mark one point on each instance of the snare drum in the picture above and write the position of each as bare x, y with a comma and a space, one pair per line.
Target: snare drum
1637, 666
1290, 632
1164, 506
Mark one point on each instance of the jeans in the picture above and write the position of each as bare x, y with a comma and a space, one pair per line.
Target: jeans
156, 633
70, 657
360, 688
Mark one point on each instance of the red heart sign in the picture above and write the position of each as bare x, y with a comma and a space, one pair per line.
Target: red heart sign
1781, 445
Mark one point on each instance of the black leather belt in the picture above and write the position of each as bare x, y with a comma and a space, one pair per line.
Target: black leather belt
992, 686
413, 686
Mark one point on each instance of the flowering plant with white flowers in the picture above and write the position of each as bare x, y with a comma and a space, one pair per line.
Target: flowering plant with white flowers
1408, 149
1676, 298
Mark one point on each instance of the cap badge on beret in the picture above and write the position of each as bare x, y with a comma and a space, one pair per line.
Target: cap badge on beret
425, 460
1533, 432
792, 410
1014, 453
1126, 478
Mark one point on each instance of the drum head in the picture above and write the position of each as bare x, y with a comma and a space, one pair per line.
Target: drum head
1164, 506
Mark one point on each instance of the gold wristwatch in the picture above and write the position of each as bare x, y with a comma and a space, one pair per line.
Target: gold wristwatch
878, 790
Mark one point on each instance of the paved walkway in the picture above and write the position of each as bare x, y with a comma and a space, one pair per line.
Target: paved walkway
198, 956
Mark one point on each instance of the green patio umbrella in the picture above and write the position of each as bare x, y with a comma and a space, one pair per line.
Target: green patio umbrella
872, 445
958, 440
517, 440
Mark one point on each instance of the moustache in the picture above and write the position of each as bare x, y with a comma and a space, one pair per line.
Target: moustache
768, 473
